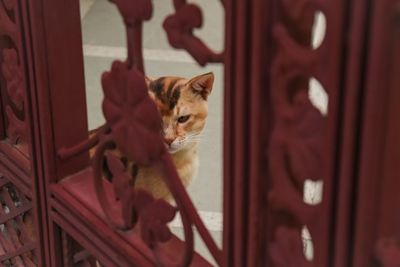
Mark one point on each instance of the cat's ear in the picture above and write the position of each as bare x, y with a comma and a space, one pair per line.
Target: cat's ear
202, 84
148, 80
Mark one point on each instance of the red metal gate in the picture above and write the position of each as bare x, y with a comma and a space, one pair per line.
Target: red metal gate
56, 210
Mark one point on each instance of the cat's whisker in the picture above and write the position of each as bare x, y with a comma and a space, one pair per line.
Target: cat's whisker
210, 131
189, 139
193, 135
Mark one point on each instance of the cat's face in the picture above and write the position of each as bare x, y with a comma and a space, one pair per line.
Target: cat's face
183, 107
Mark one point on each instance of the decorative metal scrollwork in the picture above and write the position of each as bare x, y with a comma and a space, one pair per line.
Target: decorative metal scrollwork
12, 72
179, 28
296, 144
138, 137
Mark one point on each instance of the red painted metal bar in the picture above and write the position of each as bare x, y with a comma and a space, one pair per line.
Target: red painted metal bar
376, 230
353, 68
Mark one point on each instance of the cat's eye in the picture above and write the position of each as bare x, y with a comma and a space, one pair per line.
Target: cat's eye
183, 119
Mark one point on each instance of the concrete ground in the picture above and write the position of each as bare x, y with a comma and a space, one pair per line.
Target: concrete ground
104, 41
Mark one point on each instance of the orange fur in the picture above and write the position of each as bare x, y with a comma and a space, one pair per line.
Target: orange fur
183, 107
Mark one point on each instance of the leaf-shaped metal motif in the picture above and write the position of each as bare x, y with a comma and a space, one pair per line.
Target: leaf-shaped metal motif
131, 114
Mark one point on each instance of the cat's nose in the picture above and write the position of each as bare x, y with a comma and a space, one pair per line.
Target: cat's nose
168, 141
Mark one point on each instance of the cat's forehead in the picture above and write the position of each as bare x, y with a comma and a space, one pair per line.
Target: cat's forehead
167, 91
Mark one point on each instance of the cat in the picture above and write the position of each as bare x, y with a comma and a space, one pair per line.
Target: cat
183, 107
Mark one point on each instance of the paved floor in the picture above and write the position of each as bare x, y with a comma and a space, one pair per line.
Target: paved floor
104, 41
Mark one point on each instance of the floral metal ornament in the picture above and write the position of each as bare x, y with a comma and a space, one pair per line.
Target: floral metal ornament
154, 214
11, 70
134, 126
296, 147
288, 242
131, 114
13, 74
179, 28
16, 128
